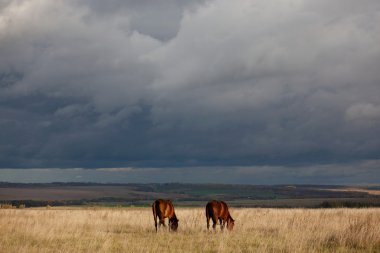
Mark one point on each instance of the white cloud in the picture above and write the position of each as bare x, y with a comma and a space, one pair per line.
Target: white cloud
233, 58
363, 111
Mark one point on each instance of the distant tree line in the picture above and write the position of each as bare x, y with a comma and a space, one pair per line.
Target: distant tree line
39, 203
128, 202
348, 204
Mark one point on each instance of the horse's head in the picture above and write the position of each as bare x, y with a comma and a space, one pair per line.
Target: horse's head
173, 223
230, 223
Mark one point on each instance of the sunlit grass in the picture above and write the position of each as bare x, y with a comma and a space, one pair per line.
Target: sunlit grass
132, 230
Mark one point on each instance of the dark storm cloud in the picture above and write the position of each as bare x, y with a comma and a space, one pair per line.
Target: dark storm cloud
188, 83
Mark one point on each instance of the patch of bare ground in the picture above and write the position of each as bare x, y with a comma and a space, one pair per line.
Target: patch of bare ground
355, 189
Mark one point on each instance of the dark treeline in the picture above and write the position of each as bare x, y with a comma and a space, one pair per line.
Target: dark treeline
40, 203
348, 204
117, 202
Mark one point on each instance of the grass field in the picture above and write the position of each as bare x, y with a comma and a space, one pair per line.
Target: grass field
132, 230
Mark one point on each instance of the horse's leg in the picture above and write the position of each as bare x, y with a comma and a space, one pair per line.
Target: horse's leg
155, 222
154, 216
162, 221
207, 219
214, 221
221, 222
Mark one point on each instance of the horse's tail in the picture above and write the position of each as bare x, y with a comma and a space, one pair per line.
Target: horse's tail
154, 215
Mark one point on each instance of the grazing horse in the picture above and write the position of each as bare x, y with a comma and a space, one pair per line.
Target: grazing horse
218, 210
164, 209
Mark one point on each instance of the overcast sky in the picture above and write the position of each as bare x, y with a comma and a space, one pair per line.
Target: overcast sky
246, 91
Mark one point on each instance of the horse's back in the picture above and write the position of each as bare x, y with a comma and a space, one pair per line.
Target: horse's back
216, 208
164, 207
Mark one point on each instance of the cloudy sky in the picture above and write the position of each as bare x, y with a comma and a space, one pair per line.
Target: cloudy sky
246, 91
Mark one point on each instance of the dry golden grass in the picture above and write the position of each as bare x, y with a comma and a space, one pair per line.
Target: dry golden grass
132, 230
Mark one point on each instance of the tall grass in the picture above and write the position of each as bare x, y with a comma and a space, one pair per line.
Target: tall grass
132, 230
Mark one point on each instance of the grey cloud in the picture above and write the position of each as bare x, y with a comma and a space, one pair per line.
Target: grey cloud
70, 57
188, 83
159, 19
363, 111
282, 74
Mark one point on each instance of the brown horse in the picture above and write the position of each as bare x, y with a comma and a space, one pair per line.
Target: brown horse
164, 209
218, 210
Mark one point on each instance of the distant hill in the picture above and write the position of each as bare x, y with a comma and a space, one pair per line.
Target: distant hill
187, 194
